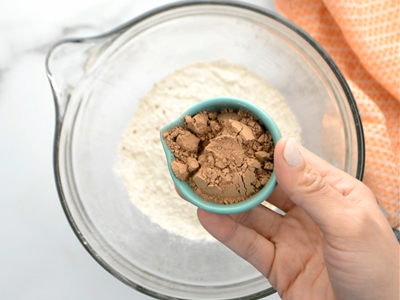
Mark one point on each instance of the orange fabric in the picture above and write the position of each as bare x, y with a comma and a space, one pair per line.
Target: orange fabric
362, 37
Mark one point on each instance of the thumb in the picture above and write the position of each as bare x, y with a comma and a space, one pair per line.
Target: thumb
305, 186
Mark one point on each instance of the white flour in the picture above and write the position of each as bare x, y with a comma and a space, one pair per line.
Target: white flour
143, 164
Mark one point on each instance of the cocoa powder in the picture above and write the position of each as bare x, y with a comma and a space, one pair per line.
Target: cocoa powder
225, 157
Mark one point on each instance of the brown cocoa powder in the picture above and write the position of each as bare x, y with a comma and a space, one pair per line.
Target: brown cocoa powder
225, 157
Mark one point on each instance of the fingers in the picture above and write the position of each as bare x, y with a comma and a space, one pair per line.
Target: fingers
261, 219
339, 180
245, 242
351, 188
279, 199
179, 194
305, 186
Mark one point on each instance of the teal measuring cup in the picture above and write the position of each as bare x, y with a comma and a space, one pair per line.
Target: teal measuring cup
216, 105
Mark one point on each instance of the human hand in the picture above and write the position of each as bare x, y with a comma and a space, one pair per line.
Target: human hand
333, 242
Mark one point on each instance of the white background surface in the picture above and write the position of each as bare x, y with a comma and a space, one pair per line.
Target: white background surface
40, 257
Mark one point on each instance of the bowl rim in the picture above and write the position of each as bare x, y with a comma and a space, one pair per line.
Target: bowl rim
215, 105
136, 20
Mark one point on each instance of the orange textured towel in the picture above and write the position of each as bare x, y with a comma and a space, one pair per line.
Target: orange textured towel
362, 37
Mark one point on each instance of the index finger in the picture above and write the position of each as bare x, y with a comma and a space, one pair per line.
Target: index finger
245, 242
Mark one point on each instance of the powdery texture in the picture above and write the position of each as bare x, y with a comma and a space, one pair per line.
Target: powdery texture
225, 158
143, 166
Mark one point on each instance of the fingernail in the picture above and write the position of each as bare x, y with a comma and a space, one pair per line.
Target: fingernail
292, 153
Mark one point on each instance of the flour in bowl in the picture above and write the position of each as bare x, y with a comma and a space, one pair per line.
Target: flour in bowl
142, 160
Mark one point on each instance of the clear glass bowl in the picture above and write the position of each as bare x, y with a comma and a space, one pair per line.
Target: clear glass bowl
97, 84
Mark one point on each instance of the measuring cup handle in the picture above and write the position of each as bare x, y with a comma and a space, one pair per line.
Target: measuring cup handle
66, 63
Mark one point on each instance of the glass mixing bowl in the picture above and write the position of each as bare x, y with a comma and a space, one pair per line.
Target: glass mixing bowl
97, 84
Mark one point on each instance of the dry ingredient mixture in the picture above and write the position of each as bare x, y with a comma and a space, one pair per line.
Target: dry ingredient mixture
142, 160
225, 157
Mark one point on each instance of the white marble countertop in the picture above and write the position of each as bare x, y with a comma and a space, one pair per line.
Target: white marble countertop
40, 257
